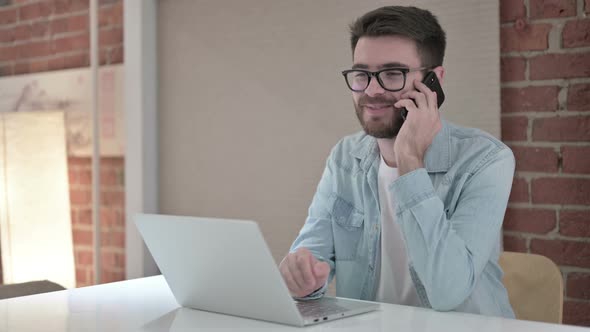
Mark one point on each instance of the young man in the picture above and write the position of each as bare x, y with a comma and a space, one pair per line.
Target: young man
407, 211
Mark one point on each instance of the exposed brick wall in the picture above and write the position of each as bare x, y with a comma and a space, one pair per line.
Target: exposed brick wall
45, 35
545, 71
112, 216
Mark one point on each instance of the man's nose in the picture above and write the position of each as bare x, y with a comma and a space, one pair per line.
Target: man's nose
374, 88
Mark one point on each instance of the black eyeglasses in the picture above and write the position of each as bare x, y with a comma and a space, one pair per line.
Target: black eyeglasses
390, 79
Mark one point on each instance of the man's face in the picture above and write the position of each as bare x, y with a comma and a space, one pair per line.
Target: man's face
374, 107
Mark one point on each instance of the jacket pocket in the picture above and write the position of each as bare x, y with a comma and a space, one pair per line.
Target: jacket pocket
347, 227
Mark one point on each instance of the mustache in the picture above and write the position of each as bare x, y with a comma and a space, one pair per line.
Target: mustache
375, 100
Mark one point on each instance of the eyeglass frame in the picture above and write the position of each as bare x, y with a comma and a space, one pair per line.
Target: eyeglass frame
371, 74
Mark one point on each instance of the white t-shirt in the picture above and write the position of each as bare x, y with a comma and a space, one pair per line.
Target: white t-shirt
395, 282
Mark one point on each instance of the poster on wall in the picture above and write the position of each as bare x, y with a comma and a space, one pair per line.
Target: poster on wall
36, 242
70, 91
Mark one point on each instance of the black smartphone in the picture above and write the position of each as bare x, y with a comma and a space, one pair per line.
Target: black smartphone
431, 81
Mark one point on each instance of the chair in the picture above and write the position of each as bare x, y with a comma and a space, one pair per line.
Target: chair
28, 288
534, 285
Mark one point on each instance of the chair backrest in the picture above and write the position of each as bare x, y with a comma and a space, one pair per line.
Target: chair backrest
28, 288
534, 285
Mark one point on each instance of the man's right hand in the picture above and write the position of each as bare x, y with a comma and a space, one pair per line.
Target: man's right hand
303, 273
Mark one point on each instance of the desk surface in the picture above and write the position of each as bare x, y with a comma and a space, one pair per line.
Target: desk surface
147, 304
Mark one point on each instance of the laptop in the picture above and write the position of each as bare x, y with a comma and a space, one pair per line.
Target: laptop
225, 266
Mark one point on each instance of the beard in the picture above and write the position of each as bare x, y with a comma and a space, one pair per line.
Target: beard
379, 127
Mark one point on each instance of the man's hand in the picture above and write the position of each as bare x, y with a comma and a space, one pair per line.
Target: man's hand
303, 273
421, 126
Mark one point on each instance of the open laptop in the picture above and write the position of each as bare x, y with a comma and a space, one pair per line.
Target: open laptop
225, 266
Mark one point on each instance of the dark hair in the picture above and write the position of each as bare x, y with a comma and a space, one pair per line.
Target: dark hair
411, 22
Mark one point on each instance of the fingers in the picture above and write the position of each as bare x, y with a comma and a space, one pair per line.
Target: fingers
429, 95
423, 98
321, 271
303, 273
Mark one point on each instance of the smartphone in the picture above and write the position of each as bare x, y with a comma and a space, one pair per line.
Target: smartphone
431, 81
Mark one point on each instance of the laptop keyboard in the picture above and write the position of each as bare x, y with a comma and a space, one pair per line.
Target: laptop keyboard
319, 308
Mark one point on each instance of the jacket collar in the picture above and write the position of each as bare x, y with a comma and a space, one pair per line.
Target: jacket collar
437, 158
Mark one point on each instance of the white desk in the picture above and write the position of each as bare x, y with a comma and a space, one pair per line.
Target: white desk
148, 305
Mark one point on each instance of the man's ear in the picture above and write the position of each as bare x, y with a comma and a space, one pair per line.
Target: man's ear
440, 73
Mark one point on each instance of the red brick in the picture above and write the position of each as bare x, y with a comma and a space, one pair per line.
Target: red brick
72, 43
79, 161
85, 177
533, 37
108, 218
21, 68
82, 237
35, 10
39, 66
109, 177
22, 32
530, 99
78, 23
116, 55
510, 10
84, 216
538, 221
72, 177
576, 33
535, 159
578, 97
7, 35
103, 56
59, 25
76, 61
520, 191
8, 53
111, 15
39, 29
513, 243
114, 162
112, 276
84, 257
560, 191
562, 129
113, 198
81, 276
567, 253
56, 63
512, 69
113, 260
578, 285
575, 223
560, 66
576, 159
514, 128
7, 16
113, 239
35, 49
552, 8
5, 70
80, 197
576, 313
109, 37
69, 6
67, 44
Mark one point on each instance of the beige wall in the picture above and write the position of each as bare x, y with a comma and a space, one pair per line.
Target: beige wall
251, 100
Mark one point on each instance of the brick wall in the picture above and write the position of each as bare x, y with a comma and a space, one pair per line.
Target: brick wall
44, 35
545, 70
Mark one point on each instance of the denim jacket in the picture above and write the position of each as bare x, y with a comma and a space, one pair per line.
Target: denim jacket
450, 214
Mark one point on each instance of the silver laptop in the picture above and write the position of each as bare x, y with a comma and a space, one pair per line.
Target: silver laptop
225, 266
